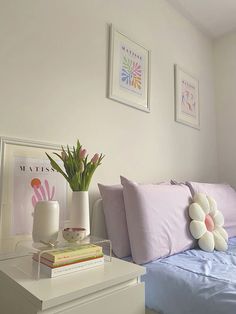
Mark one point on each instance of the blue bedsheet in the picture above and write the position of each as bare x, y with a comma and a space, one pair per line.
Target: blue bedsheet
193, 282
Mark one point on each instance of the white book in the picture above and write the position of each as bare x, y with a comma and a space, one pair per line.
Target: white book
67, 269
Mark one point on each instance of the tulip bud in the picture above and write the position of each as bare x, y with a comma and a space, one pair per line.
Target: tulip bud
82, 153
95, 158
63, 155
82, 167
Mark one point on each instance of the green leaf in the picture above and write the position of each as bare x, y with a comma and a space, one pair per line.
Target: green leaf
58, 155
57, 167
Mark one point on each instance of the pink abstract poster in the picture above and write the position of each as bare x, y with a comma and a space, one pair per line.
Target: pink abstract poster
34, 180
187, 107
188, 98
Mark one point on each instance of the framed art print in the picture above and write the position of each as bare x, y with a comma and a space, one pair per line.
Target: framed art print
129, 71
27, 177
186, 99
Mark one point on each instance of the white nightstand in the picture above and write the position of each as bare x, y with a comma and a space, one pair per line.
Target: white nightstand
114, 288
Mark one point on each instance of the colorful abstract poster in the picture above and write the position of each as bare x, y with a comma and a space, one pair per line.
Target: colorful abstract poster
131, 69
34, 180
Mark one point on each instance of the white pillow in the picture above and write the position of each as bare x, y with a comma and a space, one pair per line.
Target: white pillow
207, 224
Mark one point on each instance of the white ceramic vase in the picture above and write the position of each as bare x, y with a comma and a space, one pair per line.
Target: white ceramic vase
46, 221
79, 211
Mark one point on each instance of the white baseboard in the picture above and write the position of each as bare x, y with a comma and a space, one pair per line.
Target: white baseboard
147, 311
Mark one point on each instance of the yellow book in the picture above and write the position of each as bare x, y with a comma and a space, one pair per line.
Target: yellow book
54, 272
75, 251
67, 261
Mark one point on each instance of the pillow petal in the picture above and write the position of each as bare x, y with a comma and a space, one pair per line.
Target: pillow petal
202, 200
222, 232
206, 242
197, 229
218, 218
220, 243
213, 205
196, 212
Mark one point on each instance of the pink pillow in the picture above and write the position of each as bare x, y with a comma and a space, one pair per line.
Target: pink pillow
114, 211
225, 197
157, 218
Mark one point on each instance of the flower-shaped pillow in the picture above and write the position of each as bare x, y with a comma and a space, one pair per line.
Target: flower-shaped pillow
207, 224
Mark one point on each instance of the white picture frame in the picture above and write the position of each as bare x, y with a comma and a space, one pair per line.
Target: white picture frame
187, 109
129, 71
23, 163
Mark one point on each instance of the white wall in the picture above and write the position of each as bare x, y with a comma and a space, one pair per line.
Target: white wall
225, 80
53, 82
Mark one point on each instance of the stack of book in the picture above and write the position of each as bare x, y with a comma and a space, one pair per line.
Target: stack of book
70, 259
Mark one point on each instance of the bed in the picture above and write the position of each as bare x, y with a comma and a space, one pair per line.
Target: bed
192, 281
195, 281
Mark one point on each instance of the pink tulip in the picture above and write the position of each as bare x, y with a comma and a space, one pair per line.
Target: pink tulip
82, 153
95, 158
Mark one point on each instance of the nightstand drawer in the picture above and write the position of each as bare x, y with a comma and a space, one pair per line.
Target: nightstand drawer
129, 300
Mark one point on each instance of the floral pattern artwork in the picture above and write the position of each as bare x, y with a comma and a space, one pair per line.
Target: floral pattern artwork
131, 73
207, 224
131, 70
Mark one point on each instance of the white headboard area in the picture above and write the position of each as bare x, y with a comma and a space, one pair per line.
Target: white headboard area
98, 225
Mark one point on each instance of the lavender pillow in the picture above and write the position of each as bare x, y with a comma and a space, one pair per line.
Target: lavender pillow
225, 197
157, 219
114, 211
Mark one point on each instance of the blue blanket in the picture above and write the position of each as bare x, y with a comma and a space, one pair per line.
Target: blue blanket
193, 282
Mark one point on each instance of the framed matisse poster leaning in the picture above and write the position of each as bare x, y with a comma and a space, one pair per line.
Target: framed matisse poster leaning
26, 178
129, 71
187, 109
